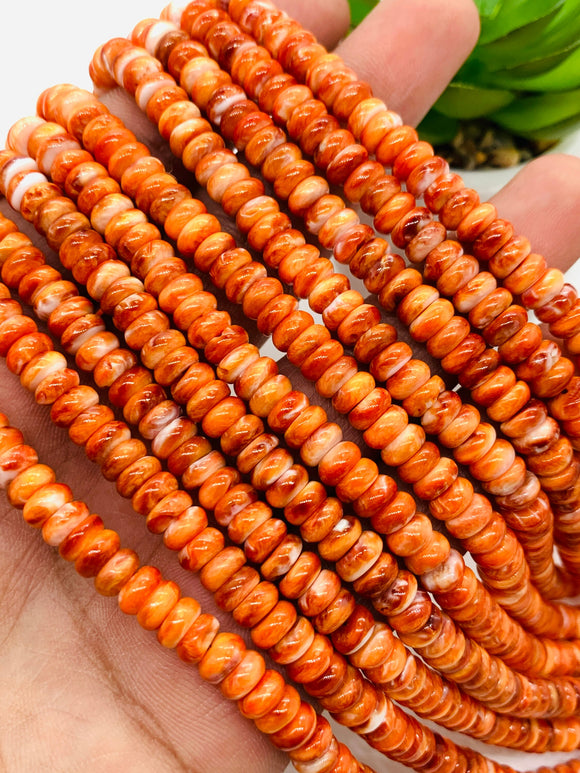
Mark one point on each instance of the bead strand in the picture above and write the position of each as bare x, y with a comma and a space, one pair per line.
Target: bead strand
544, 575
104, 442
382, 133
407, 559
547, 551
220, 27
222, 658
212, 26
561, 371
532, 713
508, 255
181, 522
161, 519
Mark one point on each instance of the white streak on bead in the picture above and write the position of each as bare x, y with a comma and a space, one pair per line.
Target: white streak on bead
426, 240
377, 717
320, 764
445, 574
236, 362
305, 646
15, 166
62, 523
486, 284
48, 499
62, 89
173, 12
156, 419
362, 643
157, 31
313, 454
193, 69
83, 338
429, 179
123, 60
218, 184
212, 163
97, 349
47, 299
266, 5
352, 576
363, 113
218, 111
107, 208
49, 156
337, 225
104, 276
6, 476
24, 185
48, 364
557, 281
9, 438
315, 224
163, 435
147, 90
20, 132
73, 99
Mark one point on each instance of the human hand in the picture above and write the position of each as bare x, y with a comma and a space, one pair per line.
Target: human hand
124, 708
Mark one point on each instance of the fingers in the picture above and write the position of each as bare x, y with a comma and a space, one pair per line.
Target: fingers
398, 47
409, 50
542, 202
327, 19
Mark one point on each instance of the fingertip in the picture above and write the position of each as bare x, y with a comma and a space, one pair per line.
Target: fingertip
409, 50
329, 20
542, 201
465, 14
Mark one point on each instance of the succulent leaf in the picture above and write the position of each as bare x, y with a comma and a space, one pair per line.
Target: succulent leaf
565, 75
523, 74
541, 39
528, 114
437, 128
511, 15
526, 72
463, 100
557, 130
488, 9
359, 9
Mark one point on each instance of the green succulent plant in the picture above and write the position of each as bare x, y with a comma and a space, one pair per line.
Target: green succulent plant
523, 75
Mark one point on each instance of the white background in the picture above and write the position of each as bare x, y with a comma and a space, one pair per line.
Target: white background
45, 43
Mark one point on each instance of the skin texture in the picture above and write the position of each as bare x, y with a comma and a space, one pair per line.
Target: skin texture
407, 46
541, 202
82, 687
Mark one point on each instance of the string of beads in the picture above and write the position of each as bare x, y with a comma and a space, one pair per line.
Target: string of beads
354, 531
346, 305
469, 219
221, 657
109, 447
